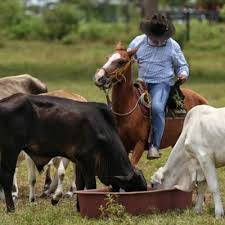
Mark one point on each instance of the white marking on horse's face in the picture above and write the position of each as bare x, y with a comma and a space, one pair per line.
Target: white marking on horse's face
109, 66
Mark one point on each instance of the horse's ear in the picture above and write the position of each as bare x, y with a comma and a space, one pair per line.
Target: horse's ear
132, 51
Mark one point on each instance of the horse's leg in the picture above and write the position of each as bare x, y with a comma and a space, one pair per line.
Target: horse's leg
31, 178
137, 153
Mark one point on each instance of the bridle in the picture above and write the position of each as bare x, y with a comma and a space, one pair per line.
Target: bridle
115, 77
118, 74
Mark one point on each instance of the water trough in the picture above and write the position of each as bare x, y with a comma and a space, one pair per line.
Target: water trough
136, 203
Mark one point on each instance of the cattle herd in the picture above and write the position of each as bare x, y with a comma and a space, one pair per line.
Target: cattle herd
51, 128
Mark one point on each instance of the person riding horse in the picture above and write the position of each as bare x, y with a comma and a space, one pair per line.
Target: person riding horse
159, 56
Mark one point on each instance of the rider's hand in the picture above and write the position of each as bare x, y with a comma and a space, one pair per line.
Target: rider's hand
182, 78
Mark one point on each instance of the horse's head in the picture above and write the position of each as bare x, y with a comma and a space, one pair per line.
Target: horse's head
115, 68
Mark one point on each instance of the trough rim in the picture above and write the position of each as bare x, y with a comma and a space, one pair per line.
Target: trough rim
103, 191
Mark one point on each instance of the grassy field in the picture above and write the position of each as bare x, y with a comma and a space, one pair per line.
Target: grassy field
72, 68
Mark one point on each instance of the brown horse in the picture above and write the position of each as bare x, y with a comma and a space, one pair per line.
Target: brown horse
133, 126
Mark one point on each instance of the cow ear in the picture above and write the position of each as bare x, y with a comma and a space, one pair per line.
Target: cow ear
132, 51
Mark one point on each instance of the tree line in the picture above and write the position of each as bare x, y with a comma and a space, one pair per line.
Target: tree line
55, 20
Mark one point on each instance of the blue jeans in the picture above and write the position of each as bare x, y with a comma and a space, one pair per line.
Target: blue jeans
159, 95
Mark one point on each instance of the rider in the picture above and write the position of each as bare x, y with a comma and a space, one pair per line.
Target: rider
159, 57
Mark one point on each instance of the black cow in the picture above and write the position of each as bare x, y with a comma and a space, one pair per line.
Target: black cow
85, 133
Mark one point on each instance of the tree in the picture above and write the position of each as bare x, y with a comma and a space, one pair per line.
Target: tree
149, 7
12, 12
62, 19
210, 4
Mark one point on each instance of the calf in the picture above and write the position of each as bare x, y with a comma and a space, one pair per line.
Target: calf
47, 126
198, 151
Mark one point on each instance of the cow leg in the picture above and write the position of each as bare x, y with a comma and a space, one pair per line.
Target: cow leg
85, 177
209, 171
31, 178
7, 170
64, 162
73, 188
200, 196
51, 184
137, 153
7, 177
80, 184
15, 190
48, 179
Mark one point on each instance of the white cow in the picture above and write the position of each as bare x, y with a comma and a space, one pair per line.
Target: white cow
199, 150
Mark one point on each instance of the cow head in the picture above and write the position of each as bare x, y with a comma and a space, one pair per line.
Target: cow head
133, 182
180, 178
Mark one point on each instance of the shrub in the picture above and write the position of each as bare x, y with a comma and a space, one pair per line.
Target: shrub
61, 20
222, 12
71, 38
107, 32
30, 28
12, 12
113, 211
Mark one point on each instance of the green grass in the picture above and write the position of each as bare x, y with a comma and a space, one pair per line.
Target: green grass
72, 68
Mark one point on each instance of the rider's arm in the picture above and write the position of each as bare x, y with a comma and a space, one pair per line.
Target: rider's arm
180, 64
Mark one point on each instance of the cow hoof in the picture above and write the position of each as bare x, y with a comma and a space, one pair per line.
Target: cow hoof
12, 210
54, 201
14, 198
219, 214
68, 194
44, 195
32, 200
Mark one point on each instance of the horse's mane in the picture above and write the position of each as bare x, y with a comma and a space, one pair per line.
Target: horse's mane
119, 46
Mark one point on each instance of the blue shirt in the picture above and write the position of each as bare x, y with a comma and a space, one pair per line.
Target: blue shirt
159, 64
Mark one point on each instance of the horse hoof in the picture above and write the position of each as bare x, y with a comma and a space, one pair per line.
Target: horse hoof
54, 202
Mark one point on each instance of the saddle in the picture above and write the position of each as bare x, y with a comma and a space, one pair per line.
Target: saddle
175, 103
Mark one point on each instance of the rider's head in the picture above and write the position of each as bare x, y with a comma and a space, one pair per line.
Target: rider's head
158, 28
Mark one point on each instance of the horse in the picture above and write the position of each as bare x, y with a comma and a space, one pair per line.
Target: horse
133, 126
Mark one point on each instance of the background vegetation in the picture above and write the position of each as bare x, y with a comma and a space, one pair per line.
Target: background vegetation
63, 46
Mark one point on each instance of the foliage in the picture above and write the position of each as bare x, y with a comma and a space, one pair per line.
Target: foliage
174, 2
113, 211
12, 12
30, 28
107, 32
61, 20
222, 12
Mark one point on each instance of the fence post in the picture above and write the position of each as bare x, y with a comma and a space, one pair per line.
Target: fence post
188, 26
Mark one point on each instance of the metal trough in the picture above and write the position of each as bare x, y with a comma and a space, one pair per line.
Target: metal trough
136, 203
